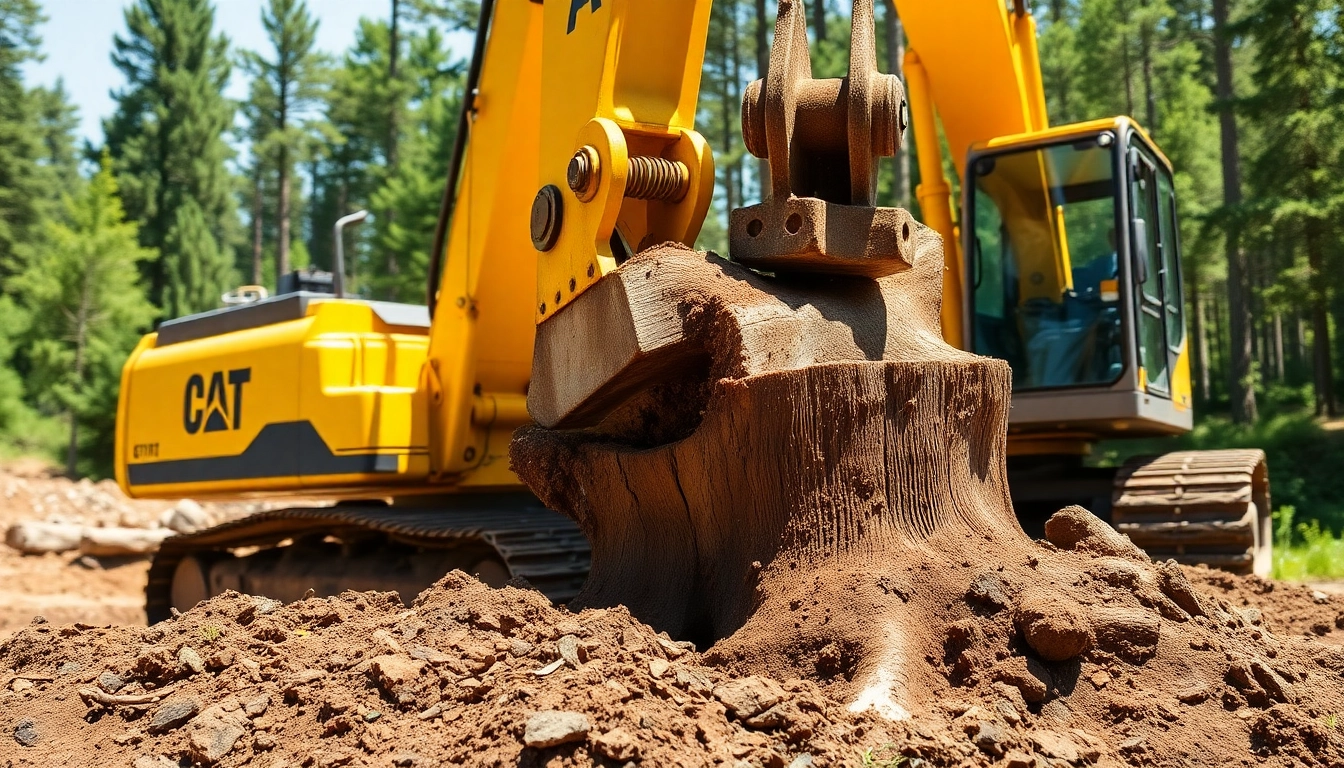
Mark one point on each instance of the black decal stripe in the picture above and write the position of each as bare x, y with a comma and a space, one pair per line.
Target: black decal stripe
284, 449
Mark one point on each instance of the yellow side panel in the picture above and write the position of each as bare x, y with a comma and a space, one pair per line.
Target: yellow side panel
327, 403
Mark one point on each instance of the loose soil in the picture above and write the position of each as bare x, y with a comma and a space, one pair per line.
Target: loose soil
67, 587
457, 678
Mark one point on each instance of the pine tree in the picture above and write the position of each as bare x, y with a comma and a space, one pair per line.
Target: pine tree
20, 183
87, 308
1297, 190
167, 141
287, 86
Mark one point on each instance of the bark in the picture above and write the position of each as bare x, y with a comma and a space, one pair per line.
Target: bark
1323, 379
393, 119
256, 224
81, 340
1201, 350
1241, 386
895, 33
819, 19
282, 247
1146, 64
1278, 347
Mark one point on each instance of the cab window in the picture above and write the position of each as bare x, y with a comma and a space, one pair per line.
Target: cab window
1044, 266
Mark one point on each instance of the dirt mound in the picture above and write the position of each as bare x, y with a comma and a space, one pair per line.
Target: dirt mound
473, 676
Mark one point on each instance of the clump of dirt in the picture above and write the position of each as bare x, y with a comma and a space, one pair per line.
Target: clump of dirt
473, 676
1285, 608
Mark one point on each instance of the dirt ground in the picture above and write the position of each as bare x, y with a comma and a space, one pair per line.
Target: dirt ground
467, 675
67, 588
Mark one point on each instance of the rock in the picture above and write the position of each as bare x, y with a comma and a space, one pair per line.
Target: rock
749, 696
256, 707
186, 517
802, 761
987, 736
551, 728
260, 606
190, 660
119, 542
616, 744
214, 734
568, 648
263, 741
69, 668
20, 685
987, 590
1055, 629
1075, 528
1027, 675
111, 682
25, 732
35, 538
1130, 633
1271, 682
174, 712
1171, 580
393, 673
1019, 760
1056, 745
520, 648
1320, 596
658, 668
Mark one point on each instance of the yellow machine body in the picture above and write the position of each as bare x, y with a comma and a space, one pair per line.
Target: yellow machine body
440, 401
326, 401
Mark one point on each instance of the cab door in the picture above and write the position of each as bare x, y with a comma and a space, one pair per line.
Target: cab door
1155, 271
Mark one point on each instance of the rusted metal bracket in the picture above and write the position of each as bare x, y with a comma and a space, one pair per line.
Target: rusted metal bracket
823, 139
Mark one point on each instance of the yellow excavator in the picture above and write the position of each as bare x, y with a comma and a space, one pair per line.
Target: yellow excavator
576, 149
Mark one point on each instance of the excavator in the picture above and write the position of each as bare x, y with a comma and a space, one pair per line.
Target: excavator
388, 424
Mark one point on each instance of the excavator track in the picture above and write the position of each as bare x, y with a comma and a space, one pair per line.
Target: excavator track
282, 553
1198, 507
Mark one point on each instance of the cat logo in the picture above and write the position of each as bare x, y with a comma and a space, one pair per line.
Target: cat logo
577, 5
218, 409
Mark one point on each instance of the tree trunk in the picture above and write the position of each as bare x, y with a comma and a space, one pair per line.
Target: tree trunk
81, 336
895, 64
282, 247
1279, 368
1323, 376
816, 483
1146, 52
393, 121
1241, 386
819, 19
1126, 69
256, 223
1201, 350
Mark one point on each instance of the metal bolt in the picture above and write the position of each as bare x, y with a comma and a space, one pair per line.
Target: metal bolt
582, 173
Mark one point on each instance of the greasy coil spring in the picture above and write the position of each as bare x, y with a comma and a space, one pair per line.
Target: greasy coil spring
653, 178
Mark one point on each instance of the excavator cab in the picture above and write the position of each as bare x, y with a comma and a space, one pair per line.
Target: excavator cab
1074, 278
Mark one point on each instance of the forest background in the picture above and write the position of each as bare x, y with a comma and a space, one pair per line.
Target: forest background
190, 194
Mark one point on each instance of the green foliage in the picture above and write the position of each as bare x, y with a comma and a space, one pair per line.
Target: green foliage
284, 88
885, 756
167, 144
1305, 550
20, 183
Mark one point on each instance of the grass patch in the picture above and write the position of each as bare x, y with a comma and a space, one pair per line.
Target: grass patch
885, 756
1305, 551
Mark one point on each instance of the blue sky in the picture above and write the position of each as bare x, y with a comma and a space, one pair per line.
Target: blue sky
77, 42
